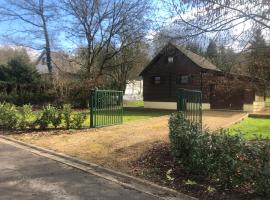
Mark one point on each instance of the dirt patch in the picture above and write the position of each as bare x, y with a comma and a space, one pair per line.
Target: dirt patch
112, 147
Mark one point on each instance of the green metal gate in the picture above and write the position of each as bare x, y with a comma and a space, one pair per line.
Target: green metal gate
106, 108
190, 103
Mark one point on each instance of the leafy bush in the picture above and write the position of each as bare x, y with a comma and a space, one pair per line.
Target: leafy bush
43, 119
223, 161
26, 115
257, 167
49, 115
228, 160
28, 98
56, 116
67, 115
8, 116
187, 143
78, 119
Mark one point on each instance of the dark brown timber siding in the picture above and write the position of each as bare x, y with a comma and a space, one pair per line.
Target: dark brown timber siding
168, 72
221, 90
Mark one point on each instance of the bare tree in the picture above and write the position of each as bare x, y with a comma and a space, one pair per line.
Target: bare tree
102, 29
225, 18
33, 18
129, 63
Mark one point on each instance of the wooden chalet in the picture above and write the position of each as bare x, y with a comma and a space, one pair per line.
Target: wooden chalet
175, 67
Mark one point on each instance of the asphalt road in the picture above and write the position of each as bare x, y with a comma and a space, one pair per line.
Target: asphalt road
25, 176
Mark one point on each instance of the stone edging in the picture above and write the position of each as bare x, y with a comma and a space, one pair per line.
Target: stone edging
108, 174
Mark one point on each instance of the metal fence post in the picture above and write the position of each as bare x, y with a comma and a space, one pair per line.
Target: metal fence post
92, 94
190, 103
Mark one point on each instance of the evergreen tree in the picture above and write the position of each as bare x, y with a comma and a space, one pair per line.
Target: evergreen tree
226, 58
259, 58
19, 70
212, 51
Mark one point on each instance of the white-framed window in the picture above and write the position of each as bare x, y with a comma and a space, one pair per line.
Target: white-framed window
183, 79
170, 59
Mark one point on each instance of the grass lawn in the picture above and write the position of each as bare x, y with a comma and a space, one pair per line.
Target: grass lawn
267, 101
252, 127
136, 103
128, 115
132, 115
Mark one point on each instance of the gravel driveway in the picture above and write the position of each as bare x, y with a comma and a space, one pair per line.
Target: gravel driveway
116, 146
221, 119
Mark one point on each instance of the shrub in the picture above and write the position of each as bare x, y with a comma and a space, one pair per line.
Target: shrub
78, 119
224, 163
257, 167
28, 98
49, 115
67, 112
25, 120
228, 160
56, 116
187, 143
43, 119
8, 116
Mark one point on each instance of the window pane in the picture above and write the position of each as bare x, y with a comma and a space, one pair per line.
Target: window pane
170, 59
157, 79
184, 79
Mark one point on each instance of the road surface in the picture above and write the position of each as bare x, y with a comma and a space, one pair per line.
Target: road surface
26, 176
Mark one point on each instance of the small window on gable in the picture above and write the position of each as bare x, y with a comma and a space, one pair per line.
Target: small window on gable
156, 80
170, 59
43, 61
183, 79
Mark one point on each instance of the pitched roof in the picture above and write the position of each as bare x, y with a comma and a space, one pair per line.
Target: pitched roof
200, 61
197, 59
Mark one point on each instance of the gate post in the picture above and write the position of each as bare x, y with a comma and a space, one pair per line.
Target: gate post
92, 101
180, 104
190, 103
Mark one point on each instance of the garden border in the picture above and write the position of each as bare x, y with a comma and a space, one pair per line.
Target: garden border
234, 122
108, 174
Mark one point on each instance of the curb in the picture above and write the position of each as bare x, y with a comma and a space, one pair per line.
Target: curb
259, 115
234, 122
117, 177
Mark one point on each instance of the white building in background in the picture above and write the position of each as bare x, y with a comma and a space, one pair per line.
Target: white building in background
134, 90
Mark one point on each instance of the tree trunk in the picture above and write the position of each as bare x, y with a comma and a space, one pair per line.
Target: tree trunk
47, 45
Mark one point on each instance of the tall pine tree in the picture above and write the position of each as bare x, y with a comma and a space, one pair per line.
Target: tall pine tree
259, 58
226, 58
212, 51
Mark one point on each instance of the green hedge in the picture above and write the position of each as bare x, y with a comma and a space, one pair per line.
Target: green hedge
28, 98
23, 117
227, 160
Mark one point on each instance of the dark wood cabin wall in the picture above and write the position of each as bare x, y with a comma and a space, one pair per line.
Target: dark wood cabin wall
228, 83
166, 91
